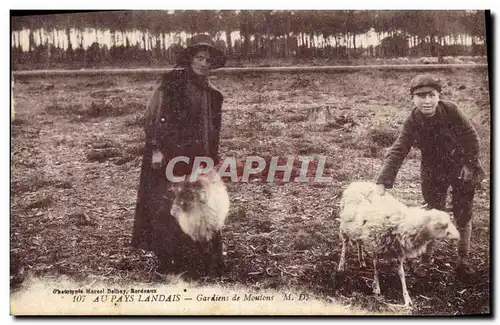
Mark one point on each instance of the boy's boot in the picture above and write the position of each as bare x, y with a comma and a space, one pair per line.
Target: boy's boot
463, 266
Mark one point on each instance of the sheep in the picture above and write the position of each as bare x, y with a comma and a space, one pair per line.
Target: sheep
386, 227
201, 208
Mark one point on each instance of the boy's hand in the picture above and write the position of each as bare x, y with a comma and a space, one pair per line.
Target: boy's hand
157, 159
466, 174
380, 189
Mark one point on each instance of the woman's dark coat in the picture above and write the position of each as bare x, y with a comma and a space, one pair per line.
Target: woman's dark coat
183, 118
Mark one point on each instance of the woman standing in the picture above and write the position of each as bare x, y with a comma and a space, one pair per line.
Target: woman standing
183, 118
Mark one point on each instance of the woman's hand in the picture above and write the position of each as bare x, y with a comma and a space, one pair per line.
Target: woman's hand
157, 159
466, 174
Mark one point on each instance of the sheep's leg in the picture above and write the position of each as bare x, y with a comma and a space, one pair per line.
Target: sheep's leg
211, 252
203, 265
201, 262
361, 258
401, 272
376, 283
209, 260
217, 253
427, 257
345, 242
168, 261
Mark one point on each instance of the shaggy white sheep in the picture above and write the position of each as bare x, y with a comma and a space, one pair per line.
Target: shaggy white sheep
386, 227
201, 208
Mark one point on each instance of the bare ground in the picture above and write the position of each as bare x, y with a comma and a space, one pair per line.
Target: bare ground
76, 149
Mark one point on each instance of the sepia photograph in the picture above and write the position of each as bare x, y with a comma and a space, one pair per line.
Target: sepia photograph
250, 162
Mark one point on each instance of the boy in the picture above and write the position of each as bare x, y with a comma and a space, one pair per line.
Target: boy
450, 150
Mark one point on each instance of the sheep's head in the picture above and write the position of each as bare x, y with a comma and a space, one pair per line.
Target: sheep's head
440, 225
188, 196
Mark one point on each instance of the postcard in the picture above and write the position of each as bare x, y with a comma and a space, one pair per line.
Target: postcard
250, 162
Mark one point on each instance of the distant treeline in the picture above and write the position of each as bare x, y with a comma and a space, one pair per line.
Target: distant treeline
262, 34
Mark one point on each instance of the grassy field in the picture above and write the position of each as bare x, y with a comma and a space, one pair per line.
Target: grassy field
260, 62
76, 154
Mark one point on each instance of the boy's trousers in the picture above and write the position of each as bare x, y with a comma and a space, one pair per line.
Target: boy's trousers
436, 180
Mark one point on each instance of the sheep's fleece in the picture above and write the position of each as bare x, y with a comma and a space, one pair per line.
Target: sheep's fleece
201, 207
386, 226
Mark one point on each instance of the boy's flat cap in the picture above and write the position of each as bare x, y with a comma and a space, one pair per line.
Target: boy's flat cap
424, 83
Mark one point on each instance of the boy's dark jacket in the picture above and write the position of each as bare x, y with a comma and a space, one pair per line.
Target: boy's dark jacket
446, 140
